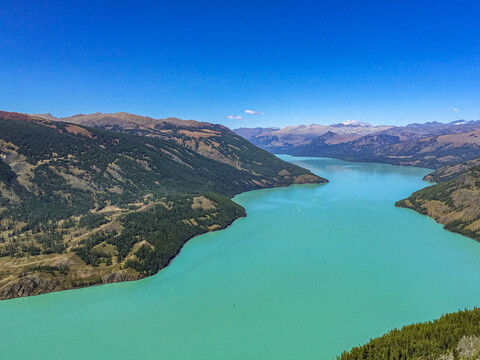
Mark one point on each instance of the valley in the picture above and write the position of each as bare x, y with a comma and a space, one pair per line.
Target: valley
272, 180
107, 198
453, 149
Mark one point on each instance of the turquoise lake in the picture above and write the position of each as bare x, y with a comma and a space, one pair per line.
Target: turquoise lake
311, 271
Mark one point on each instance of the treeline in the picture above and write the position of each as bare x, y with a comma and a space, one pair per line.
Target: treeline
457, 190
48, 241
92, 221
439, 192
461, 227
426, 341
165, 230
91, 256
54, 270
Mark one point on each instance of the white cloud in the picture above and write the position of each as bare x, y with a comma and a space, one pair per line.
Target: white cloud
252, 112
456, 109
234, 117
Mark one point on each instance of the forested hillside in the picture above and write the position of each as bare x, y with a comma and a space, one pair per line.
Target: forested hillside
454, 201
81, 206
453, 336
210, 140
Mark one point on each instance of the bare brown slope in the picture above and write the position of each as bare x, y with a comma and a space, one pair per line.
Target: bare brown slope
18, 116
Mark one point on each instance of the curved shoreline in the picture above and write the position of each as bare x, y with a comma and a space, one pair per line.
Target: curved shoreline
24, 287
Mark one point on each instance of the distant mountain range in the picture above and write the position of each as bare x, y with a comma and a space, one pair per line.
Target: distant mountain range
429, 145
101, 198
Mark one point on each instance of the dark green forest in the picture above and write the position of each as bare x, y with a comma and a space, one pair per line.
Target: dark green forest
428, 340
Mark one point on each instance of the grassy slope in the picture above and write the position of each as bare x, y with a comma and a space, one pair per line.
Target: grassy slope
78, 205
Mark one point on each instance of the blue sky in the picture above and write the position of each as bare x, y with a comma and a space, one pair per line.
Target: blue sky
383, 62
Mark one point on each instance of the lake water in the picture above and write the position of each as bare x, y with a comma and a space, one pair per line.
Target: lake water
311, 271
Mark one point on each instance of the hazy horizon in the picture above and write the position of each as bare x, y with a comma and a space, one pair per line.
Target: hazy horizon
246, 125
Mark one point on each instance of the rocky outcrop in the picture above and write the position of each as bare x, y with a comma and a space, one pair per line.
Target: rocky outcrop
27, 286
468, 348
120, 276
40, 283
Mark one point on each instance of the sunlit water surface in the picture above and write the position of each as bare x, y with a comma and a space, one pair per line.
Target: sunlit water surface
311, 271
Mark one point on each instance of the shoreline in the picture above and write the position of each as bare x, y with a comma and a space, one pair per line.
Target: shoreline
128, 274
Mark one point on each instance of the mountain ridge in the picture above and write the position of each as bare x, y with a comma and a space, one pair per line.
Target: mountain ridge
429, 145
214, 141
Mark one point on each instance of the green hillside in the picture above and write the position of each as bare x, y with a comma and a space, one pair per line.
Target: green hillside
81, 206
